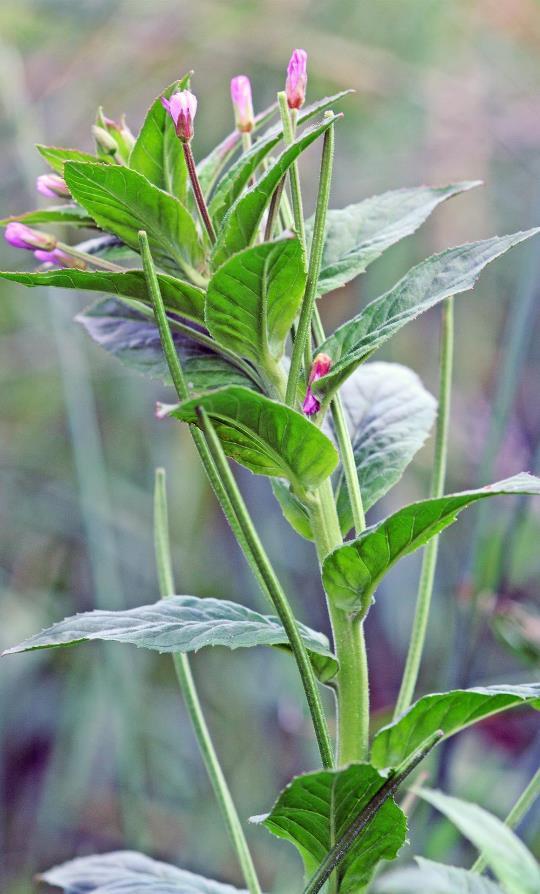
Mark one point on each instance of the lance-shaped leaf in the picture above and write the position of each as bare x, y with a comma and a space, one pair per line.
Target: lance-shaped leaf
253, 299
352, 572
181, 624
265, 436
512, 863
178, 296
293, 509
434, 878
237, 177
453, 271
64, 214
241, 222
449, 712
316, 809
124, 202
158, 153
56, 157
389, 415
133, 338
129, 873
360, 233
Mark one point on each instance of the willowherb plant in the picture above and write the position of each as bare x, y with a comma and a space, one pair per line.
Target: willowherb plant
224, 307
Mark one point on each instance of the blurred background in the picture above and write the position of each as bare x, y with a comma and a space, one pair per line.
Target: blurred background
96, 749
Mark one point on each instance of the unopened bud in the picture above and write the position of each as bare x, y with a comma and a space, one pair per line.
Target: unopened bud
182, 108
320, 367
60, 259
21, 236
296, 84
242, 103
113, 138
104, 140
52, 186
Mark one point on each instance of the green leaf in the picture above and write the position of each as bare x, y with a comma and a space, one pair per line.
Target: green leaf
389, 415
315, 810
178, 296
56, 157
241, 222
293, 509
181, 624
435, 878
512, 863
130, 873
253, 299
359, 234
65, 214
449, 712
133, 338
237, 177
352, 572
158, 153
265, 436
453, 271
124, 202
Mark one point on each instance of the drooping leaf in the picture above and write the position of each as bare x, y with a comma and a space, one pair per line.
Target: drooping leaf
352, 572
237, 177
128, 872
56, 157
358, 234
178, 296
512, 863
158, 153
293, 509
265, 436
133, 338
315, 810
449, 712
241, 222
434, 878
253, 299
453, 271
124, 202
64, 214
181, 624
389, 415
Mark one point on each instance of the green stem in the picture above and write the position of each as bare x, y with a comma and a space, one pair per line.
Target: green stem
237, 515
273, 588
520, 808
429, 562
191, 698
288, 124
303, 336
337, 854
89, 259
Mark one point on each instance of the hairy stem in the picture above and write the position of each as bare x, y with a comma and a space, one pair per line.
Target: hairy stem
303, 335
197, 191
429, 562
234, 508
518, 811
288, 125
191, 698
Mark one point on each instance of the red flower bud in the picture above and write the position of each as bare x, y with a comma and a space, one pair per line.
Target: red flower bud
320, 367
182, 108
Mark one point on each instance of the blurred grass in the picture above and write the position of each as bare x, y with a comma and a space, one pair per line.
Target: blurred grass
444, 92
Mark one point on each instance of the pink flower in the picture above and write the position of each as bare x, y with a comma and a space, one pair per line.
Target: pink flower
242, 103
182, 108
296, 84
52, 186
21, 236
321, 365
59, 259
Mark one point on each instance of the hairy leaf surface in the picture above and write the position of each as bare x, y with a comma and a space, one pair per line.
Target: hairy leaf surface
56, 157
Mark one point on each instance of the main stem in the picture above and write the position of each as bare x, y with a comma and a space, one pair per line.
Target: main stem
238, 517
520, 808
191, 698
429, 562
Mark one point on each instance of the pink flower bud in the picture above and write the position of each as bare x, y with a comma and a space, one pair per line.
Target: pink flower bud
182, 108
296, 84
242, 103
321, 365
52, 186
59, 259
21, 236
